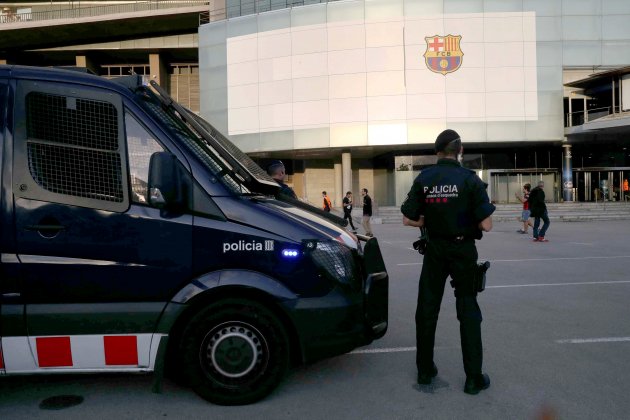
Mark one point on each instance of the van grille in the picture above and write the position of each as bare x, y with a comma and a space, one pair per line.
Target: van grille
73, 146
77, 172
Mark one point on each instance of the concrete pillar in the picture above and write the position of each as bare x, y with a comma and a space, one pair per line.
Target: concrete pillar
346, 173
567, 174
337, 196
158, 71
84, 61
218, 10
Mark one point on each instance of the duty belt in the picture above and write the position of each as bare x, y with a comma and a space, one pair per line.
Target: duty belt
456, 239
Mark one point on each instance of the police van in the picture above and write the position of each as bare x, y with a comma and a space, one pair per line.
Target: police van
136, 238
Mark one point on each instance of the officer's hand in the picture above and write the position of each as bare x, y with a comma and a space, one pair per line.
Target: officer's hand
413, 223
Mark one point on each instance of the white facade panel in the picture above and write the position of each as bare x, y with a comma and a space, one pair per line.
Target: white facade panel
426, 106
387, 132
309, 65
277, 92
348, 110
465, 106
348, 61
311, 114
386, 83
242, 49
349, 134
384, 34
274, 117
243, 73
310, 89
309, 41
278, 45
384, 58
243, 96
347, 85
387, 108
349, 37
504, 54
510, 79
274, 69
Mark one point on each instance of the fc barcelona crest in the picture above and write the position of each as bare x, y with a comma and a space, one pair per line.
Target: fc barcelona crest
443, 54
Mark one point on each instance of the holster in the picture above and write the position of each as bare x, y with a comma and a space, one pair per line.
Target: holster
480, 276
421, 244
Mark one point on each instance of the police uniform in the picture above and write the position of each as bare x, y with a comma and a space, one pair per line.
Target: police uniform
453, 200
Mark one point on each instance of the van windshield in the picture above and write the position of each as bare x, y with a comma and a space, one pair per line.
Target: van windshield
192, 141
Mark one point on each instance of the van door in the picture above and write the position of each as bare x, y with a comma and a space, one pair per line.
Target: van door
98, 263
3, 216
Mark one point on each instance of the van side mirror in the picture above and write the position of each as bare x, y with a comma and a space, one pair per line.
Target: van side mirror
167, 187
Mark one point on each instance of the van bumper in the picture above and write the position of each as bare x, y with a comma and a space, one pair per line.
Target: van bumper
345, 318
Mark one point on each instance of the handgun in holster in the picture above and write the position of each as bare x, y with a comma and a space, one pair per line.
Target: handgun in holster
421, 244
480, 276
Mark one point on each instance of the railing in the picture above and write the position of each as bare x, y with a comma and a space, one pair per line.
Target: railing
82, 12
250, 7
582, 117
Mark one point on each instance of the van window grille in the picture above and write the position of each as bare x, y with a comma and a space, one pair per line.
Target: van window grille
73, 146
77, 172
72, 121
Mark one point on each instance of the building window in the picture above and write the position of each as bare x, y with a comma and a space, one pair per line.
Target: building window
184, 85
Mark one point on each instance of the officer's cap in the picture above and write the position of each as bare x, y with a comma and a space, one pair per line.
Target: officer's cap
273, 166
444, 138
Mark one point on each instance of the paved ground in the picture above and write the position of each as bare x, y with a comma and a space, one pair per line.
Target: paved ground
556, 335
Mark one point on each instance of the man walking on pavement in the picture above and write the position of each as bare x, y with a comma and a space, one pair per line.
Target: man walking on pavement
452, 203
538, 210
347, 210
367, 212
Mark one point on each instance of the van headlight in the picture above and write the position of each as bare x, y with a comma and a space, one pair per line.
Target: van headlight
335, 259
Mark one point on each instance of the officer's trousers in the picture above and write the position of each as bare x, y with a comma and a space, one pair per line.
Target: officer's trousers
459, 260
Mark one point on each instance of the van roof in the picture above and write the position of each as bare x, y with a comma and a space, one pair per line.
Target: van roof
79, 75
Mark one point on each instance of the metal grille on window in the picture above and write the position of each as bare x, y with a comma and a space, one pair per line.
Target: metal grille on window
73, 146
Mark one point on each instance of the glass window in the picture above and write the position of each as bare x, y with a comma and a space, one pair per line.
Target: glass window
140, 145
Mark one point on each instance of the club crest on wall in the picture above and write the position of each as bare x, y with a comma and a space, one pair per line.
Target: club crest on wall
443, 54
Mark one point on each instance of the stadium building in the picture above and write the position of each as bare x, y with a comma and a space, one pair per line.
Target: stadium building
351, 94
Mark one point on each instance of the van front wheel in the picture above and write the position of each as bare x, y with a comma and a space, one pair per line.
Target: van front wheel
234, 352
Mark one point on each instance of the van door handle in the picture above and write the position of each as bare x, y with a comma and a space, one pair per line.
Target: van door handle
47, 228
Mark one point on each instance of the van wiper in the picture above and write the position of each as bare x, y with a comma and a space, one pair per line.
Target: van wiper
252, 182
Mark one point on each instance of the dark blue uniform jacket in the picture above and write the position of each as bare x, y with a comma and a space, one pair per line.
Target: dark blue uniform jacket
452, 199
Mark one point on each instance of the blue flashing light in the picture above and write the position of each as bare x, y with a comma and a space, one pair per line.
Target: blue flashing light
290, 253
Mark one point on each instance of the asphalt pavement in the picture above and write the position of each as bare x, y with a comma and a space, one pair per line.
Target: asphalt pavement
556, 335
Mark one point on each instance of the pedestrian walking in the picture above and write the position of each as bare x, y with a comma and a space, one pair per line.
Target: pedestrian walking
452, 204
347, 210
539, 211
367, 212
525, 213
327, 206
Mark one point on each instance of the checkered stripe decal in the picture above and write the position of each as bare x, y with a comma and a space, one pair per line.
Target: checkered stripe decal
79, 353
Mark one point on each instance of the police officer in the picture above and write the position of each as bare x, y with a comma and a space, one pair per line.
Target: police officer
453, 205
276, 170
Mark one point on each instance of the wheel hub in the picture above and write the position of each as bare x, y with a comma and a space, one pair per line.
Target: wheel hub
234, 351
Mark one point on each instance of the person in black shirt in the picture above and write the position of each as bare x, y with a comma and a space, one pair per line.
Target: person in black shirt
539, 211
347, 209
451, 202
367, 212
277, 172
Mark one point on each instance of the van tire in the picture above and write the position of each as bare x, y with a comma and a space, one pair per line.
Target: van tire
234, 352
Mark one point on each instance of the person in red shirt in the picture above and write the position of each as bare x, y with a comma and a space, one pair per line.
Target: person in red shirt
526, 212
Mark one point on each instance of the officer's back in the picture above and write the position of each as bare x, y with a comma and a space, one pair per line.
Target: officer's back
448, 207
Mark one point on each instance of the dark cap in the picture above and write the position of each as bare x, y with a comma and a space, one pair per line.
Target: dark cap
275, 164
444, 138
